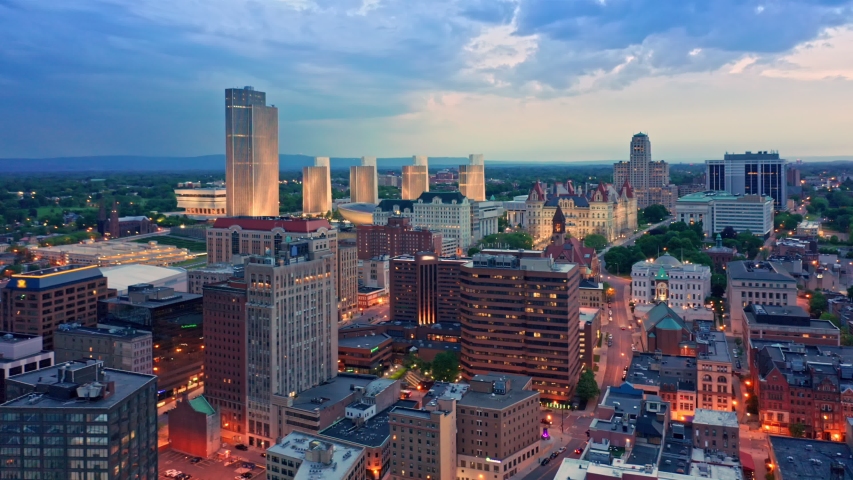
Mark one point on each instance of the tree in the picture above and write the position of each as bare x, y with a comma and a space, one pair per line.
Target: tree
596, 241
514, 240
587, 386
620, 259
473, 251
718, 285
654, 213
445, 367
817, 304
728, 232
819, 204
798, 430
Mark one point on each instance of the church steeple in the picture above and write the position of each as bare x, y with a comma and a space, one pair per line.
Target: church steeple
558, 230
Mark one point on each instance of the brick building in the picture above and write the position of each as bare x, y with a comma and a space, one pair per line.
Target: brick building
397, 237
369, 354
425, 289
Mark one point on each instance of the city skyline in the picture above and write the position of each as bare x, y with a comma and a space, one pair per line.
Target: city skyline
515, 79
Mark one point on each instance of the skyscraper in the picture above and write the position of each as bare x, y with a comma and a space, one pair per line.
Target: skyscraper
363, 185
750, 173
251, 154
415, 178
472, 178
650, 180
317, 187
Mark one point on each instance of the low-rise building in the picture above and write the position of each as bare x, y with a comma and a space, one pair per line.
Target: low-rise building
801, 458
718, 210
716, 430
197, 278
369, 354
788, 323
194, 427
21, 353
396, 237
590, 332
121, 348
305, 456
751, 282
107, 254
680, 285
591, 294
808, 228
202, 201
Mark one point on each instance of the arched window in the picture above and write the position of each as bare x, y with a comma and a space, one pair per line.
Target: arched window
721, 379
706, 378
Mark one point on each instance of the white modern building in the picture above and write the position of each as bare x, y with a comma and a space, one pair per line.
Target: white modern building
750, 173
448, 213
680, 285
718, 210
202, 201
484, 218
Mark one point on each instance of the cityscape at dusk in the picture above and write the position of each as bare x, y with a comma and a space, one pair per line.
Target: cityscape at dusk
444, 240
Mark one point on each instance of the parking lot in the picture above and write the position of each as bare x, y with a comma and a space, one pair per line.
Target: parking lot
206, 469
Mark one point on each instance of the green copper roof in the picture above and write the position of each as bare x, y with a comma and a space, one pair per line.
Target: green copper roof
201, 405
661, 275
663, 317
669, 323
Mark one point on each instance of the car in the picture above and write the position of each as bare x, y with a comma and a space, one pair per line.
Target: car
554, 455
172, 473
623, 327
561, 449
195, 460
626, 368
242, 447
545, 461
184, 476
578, 451
247, 475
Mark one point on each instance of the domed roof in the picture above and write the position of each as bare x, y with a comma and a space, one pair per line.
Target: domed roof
357, 213
667, 260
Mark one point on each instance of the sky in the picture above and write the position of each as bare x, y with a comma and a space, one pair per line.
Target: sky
539, 80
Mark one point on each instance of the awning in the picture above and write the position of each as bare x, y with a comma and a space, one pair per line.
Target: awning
746, 461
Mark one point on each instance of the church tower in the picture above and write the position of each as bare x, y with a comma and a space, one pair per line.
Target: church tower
115, 232
558, 231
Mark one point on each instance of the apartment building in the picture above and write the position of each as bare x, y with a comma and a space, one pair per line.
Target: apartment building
424, 441
36, 303
447, 213
520, 316
21, 353
716, 430
763, 283
714, 372
425, 289
126, 349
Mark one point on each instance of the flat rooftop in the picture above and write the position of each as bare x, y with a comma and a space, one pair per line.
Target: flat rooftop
794, 458
297, 444
752, 270
126, 384
588, 314
498, 401
373, 433
715, 417
367, 342
53, 277
332, 392
102, 331
717, 347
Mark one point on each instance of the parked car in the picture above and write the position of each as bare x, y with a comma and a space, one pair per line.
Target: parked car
247, 475
172, 473
242, 447
545, 461
561, 449
195, 460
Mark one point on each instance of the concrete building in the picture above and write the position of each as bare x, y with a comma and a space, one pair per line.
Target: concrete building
789, 323
375, 273
363, 183
447, 213
751, 282
505, 296
591, 294
225, 336
197, 278
516, 211
716, 430
390, 180
108, 254
175, 321
425, 289
194, 428
680, 285
415, 178
484, 219
257, 236
720, 255
714, 372
21, 353
649, 179
397, 237
368, 355
251, 154
292, 331
804, 458
121, 277
604, 210
347, 279
202, 201
79, 404
119, 348
36, 303
302, 456
718, 210
500, 407
571, 250
472, 178
808, 228
589, 329
751, 173
436, 425
317, 188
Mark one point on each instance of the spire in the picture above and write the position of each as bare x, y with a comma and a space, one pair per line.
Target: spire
558, 228
719, 241
536, 193
627, 189
570, 188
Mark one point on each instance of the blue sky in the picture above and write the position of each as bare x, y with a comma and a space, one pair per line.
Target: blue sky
514, 79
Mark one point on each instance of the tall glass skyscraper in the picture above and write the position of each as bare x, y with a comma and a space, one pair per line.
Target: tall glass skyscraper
251, 154
750, 173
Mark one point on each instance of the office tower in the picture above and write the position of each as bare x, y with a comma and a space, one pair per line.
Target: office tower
751, 173
255, 236
472, 178
437, 424
38, 302
447, 213
317, 188
347, 278
251, 154
511, 399
91, 422
520, 316
396, 238
425, 289
363, 182
225, 355
175, 321
292, 320
20, 353
650, 180
415, 178
120, 348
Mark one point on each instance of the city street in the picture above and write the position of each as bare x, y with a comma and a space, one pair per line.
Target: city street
614, 359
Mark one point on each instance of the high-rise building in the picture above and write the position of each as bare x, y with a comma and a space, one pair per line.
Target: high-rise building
520, 316
38, 302
251, 154
415, 178
363, 182
436, 424
347, 278
317, 187
751, 173
396, 238
20, 353
649, 179
120, 348
292, 319
225, 355
447, 213
425, 289
472, 178
92, 422
261, 236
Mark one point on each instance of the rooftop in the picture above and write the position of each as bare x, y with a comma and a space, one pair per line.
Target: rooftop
53, 277
368, 342
331, 392
588, 314
288, 224
446, 197
715, 417
752, 270
319, 458
102, 331
121, 277
373, 433
800, 458
201, 405
496, 400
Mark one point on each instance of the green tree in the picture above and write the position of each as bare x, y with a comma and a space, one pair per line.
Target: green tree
718, 285
445, 367
514, 240
728, 232
620, 259
473, 251
587, 386
819, 204
596, 241
654, 213
798, 430
817, 304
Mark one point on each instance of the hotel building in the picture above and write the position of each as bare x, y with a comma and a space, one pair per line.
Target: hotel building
425, 289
